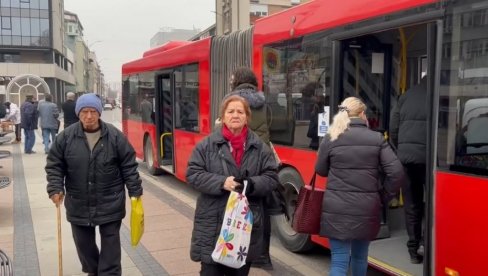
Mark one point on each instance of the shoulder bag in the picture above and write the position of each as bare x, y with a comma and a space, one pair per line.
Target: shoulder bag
308, 209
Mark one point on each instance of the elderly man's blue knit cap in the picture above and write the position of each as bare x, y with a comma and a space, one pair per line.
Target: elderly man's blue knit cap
88, 100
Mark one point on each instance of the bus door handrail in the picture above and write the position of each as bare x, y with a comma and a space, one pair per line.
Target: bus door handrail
161, 142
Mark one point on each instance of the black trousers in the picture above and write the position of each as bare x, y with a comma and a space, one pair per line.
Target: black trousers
18, 133
222, 270
107, 261
413, 193
266, 235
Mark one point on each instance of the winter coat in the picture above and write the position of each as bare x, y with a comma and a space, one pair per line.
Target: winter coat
352, 205
28, 115
257, 103
206, 173
69, 113
13, 114
93, 181
49, 113
408, 125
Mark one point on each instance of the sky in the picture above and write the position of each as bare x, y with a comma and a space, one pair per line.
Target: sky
119, 31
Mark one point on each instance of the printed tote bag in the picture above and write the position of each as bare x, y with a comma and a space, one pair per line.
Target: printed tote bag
235, 235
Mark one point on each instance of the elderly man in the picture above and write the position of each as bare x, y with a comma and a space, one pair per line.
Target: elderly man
68, 107
91, 162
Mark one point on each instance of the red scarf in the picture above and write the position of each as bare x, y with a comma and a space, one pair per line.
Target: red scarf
237, 143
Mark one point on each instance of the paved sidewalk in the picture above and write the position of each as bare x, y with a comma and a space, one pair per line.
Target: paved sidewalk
28, 229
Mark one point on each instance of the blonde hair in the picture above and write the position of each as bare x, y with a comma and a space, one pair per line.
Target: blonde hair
350, 107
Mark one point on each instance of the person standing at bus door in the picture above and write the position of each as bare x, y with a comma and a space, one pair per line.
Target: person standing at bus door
49, 113
13, 115
69, 113
92, 162
353, 157
234, 148
408, 132
243, 82
28, 121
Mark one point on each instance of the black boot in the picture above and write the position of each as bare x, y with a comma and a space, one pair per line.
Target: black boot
415, 258
264, 262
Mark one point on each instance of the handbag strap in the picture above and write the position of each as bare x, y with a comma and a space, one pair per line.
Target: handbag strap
224, 165
312, 181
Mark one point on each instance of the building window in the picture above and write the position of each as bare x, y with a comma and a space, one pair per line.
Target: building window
6, 23
9, 57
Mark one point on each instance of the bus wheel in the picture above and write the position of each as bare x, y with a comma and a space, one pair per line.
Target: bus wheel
292, 182
149, 158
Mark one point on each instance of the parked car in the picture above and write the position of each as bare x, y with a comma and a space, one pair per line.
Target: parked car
107, 106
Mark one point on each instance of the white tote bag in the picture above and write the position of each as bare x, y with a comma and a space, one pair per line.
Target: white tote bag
235, 235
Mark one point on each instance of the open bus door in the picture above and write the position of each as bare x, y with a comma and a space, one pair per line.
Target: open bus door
377, 66
164, 121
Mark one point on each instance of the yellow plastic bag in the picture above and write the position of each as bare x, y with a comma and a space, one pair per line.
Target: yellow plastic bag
136, 220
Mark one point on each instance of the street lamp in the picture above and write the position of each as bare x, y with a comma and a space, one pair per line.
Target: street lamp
91, 44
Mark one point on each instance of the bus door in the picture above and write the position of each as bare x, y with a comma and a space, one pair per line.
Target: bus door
377, 68
165, 122
366, 67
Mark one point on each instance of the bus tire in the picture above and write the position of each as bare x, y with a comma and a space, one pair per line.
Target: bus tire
149, 158
291, 181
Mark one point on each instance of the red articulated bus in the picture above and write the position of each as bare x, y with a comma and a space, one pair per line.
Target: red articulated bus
325, 51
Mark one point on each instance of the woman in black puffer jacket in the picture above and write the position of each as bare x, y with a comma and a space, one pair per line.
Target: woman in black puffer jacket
353, 158
218, 166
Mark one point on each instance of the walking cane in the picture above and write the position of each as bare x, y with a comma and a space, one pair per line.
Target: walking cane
60, 243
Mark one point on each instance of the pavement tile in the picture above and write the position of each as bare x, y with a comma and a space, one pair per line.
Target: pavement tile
171, 255
181, 267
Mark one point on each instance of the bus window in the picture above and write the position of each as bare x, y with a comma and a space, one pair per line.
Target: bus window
463, 104
186, 98
296, 77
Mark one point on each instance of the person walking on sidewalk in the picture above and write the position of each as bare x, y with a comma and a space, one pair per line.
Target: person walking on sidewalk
69, 113
408, 132
354, 158
218, 165
13, 115
91, 163
49, 113
28, 121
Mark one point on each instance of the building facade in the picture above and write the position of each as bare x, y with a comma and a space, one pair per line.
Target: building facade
170, 34
233, 15
32, 43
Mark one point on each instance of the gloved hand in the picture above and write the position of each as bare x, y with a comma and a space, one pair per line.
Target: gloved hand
57, 198
240, 188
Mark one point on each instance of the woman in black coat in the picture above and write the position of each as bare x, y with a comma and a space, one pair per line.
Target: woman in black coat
218, 165
353, 157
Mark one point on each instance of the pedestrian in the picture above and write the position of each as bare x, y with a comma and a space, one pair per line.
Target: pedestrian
234, 148
13, 115
69, 113
48, 113
29, 116
354, 158
243, 82
91, 162
408, 132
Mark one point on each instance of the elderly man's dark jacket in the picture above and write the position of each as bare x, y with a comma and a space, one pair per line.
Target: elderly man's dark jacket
93, 181
206, 173
354, 164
